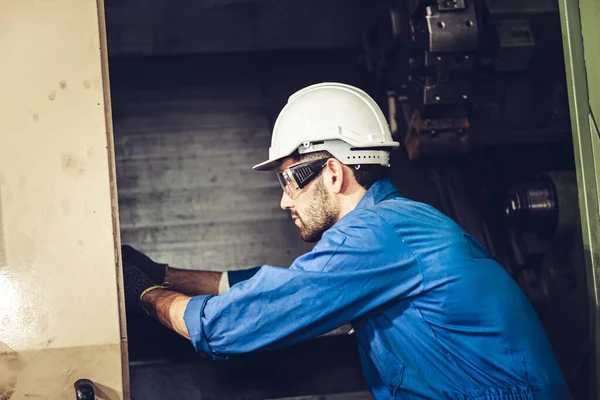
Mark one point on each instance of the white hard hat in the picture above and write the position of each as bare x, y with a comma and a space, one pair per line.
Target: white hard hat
338, 118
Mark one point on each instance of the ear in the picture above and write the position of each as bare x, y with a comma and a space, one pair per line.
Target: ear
334, 175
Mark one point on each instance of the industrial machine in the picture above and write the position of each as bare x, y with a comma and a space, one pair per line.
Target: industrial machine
494, 102
479, 88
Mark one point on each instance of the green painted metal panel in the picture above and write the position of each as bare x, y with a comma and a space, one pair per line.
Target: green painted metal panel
582, 65
590, 17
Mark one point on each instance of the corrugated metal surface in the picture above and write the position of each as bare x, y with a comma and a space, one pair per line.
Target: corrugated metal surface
187, 132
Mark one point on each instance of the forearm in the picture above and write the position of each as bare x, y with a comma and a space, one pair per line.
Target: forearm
193, 283
168, 307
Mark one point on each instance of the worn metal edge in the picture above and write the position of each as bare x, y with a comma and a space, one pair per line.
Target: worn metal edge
110, 149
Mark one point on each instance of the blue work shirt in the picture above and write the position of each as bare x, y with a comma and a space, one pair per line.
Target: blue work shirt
434, 315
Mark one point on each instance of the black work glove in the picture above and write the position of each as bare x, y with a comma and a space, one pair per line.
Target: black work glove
154, 270
136, 282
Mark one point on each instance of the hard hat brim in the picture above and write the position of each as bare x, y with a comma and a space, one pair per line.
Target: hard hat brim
268, 165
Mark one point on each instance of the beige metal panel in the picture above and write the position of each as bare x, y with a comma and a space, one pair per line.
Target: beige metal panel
59, 307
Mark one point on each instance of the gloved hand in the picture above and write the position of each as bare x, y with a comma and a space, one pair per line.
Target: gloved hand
154, 270
136, 283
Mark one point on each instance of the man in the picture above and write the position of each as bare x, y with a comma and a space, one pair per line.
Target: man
433, 314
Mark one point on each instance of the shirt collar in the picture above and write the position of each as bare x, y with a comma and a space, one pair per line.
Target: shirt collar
379, 191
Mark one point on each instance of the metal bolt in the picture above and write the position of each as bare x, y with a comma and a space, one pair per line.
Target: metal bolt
514, 205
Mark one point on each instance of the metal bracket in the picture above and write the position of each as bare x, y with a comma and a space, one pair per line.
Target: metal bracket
451, 5
436, 137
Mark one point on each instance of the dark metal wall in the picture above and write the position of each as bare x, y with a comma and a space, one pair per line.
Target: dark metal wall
321, 368
137, 27
186, 137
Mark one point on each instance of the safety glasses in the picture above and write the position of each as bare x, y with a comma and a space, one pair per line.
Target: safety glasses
295, 178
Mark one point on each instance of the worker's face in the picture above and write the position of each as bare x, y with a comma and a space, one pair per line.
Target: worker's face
314, 210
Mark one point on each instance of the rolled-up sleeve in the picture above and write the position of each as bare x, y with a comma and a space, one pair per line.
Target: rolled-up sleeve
193, 320
230, 278
358, 265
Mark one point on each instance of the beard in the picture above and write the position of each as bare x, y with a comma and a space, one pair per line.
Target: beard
319, 215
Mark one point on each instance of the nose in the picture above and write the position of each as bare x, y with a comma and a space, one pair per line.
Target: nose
286, 201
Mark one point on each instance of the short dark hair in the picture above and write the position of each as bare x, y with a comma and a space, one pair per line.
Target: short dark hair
366, 175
